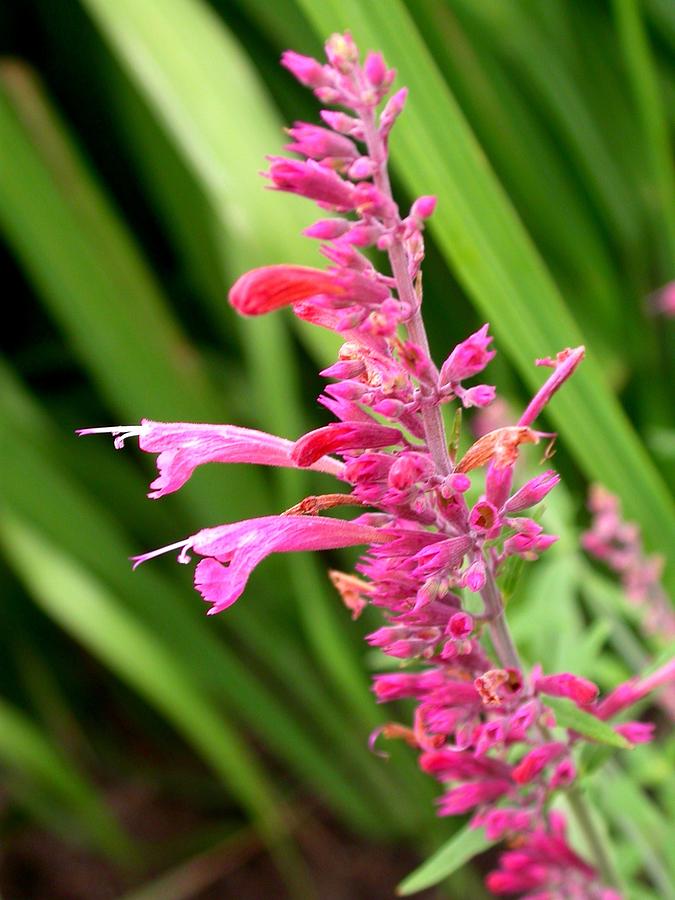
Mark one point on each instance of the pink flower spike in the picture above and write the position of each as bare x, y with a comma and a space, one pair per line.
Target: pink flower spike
565, 364
578, 689
341, 436
242, 545
468, 358
269, 288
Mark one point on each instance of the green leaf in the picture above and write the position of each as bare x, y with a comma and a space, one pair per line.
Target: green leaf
568, 715
462, 847
24, 749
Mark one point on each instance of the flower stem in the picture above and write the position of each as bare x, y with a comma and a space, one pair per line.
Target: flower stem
432, 421
596, 843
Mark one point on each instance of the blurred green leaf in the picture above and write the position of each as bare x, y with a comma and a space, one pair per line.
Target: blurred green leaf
568, 715
462, 847
30, 753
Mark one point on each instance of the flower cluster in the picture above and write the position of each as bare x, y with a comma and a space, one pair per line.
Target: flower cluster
481, 723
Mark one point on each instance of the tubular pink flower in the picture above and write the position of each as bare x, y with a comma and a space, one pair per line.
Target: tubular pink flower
182, 446
273, 287
242, 545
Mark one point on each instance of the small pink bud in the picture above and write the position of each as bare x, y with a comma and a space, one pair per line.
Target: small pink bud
564, 774
460, 625
343, 123
474, 577
423, 207
535, 761
636, 732
363, 167
393, 110
375, 69
342, 52
480, 395
468, 358
532, 492
327, 229
458, 483
308, 71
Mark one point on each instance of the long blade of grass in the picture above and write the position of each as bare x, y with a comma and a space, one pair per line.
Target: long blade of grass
27, 751
657, 144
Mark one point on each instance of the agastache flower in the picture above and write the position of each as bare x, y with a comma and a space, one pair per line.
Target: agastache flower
480, 721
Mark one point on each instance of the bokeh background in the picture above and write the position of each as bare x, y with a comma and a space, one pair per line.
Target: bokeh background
150, 753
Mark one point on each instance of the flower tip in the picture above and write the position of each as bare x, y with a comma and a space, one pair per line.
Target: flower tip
270, 288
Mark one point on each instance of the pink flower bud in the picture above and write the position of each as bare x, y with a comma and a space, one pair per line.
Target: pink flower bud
341, 52
309, 179
563, 774
308, 71
474, 577
457, 483
393, 110
636, 732
465, 797
532, 492
535, 761
327, 229
341, 436
480, 395
460, 625
423, 207
363, 167
578, 689
343, 123
375, 68
468, 358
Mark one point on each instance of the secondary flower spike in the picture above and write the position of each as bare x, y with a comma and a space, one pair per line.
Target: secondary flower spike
435, 531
